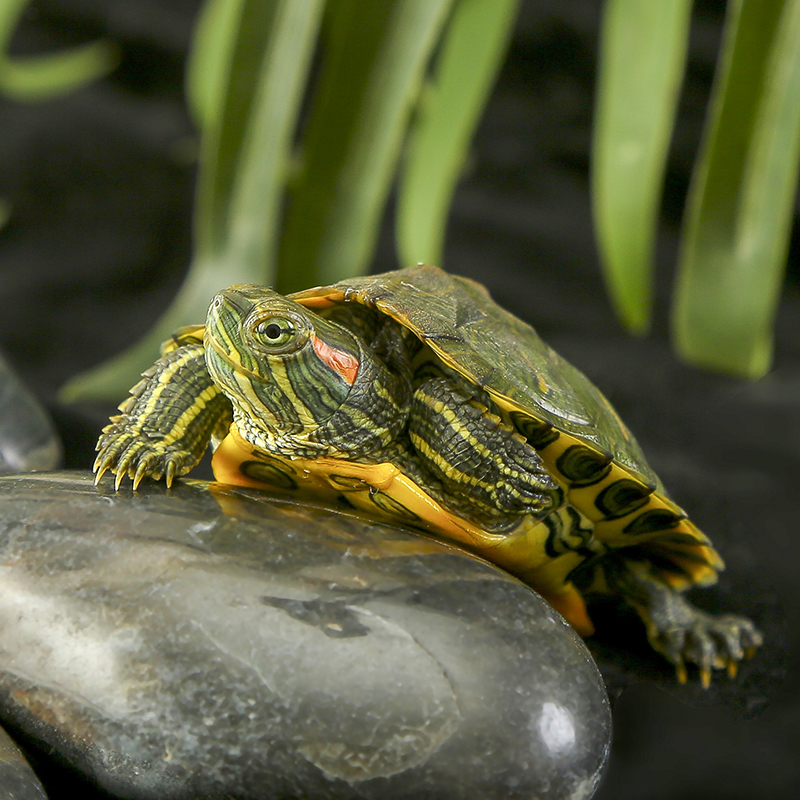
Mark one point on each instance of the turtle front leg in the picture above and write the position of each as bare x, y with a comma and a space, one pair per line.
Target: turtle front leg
679, 631
167, 423
486, 470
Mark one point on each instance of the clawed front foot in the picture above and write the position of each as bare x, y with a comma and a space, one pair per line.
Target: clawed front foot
126, 453
167, 422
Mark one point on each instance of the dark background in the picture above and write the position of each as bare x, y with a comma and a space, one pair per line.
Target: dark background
101, 183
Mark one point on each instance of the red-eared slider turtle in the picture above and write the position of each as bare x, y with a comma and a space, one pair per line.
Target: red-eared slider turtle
414, 397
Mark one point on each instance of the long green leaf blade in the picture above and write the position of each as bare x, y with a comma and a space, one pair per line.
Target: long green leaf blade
376, 57
210, 59
642, 57
36, 78
246, 155
741, 201
471, 54
243, 169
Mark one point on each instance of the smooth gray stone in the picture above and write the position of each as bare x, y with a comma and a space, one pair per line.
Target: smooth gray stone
212, 642
17, 780
28, 440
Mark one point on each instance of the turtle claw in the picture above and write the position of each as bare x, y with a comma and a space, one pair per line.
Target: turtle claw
708, 642
121, 468
121, 471
705, 677
141, 472
169, 475
160, 431
140, 458
682, 675
685, 635
101, 465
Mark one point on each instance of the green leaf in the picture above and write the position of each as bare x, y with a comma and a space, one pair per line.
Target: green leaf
375, 58
247, 156
470, 57
36, 78
642, 56
210, 58
741, 201
243, 170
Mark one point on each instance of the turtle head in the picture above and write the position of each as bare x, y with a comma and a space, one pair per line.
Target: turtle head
289, 372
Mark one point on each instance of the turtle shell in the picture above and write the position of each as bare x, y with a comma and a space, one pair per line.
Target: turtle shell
579, 436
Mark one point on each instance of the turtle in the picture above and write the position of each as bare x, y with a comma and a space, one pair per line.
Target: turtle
413, 397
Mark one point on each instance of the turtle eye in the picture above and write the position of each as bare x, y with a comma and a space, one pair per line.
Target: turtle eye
277, 334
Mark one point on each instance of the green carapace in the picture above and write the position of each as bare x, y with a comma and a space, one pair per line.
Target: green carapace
413, 397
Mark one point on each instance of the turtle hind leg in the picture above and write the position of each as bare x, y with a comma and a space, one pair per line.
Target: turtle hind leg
675, 628
167, 423
486, 470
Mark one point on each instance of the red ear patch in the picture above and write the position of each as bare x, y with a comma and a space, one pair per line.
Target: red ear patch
339, 361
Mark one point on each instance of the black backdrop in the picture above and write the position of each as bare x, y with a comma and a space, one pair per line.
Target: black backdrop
101, 181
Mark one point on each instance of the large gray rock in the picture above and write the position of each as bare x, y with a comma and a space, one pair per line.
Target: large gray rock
213, 642
28, 440
17, 780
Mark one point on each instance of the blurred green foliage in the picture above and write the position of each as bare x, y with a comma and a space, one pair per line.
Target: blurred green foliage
741, 203
310, 111
33, 78
296, 166
740, 207
5, 212
642, 57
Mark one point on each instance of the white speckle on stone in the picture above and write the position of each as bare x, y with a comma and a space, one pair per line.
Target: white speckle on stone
199, 528
585, 789
556, 728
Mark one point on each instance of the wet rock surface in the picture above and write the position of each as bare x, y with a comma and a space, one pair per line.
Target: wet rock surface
28, 440
207, 642
17, 779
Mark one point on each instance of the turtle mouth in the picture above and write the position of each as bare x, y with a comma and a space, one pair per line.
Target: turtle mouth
236, 366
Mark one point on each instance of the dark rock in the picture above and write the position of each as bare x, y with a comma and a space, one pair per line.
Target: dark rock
28, 440
17, 781
216, 642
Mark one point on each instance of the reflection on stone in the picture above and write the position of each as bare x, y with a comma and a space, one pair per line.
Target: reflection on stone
17, 781
556, 728
28, 440
216, 642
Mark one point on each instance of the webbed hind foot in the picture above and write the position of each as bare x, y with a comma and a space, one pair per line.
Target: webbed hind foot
684, 634
708, 642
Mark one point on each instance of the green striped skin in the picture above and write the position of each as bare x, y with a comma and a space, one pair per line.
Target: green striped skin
458, 436
287, 400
